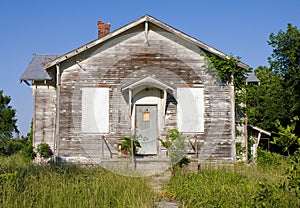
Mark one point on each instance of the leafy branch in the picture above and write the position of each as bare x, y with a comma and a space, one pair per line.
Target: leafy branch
286, 137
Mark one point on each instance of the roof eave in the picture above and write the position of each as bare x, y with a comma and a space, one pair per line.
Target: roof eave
193, 40
30, 79
93, 43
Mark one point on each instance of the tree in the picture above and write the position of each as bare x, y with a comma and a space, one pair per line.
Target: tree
7, 118
285, 61
278, 95
276, 101
265, 102
28, 149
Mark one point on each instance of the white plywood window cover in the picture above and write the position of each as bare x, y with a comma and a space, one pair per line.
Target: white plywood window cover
95, 110
190, 109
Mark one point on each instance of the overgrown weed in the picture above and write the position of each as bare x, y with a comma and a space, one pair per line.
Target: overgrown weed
256, 185
25, 184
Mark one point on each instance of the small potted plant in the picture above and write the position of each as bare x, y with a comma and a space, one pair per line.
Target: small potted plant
126, 143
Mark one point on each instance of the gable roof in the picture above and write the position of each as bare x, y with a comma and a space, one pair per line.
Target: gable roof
144, 19
35, 70
148, 81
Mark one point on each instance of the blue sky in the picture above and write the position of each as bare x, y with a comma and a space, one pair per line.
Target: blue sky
237, 27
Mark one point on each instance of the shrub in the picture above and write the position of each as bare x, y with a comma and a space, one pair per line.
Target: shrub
28, 152
44, 150
176, 149
292, 182
11, 146
267, 159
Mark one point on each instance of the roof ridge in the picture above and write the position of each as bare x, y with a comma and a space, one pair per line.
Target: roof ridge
132, 24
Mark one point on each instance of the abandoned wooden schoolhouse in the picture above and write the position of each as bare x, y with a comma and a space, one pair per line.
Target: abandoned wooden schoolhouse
141, 79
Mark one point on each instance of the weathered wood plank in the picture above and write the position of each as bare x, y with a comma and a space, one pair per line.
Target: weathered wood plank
122, 61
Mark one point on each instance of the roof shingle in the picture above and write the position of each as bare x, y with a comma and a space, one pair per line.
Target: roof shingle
35, 70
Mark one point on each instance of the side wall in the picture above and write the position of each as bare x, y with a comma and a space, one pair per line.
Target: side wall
44, 115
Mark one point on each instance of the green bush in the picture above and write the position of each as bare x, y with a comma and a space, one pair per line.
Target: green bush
44, 150
269, 160
28, 152
292, 182
11, 146
14, 146
176, 147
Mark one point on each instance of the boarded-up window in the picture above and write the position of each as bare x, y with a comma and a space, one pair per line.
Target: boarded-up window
190, 109
146, 116
95, 110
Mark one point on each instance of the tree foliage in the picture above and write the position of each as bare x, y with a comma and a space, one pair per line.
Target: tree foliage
285, 62
285, 58
286, 138
265, 102
23, 145
276, 101
7, 118
8, 144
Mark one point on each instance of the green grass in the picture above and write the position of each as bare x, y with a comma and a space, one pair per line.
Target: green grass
242, 186
26, 185
23, 184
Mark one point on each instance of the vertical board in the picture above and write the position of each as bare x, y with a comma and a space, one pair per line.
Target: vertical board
190, 109
95, 110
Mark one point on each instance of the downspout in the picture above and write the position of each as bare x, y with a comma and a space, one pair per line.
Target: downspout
58, 83
246, 132
233, 122
246, 136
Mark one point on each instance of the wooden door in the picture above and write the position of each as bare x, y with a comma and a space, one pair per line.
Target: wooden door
146, 128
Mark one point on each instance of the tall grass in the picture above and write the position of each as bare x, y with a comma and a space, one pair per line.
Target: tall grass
26, 185
244, 186
23, 184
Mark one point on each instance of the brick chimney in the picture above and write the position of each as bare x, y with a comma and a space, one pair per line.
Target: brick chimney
103, 29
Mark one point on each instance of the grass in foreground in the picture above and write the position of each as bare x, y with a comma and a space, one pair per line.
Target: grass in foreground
246, 186
27, 185
23, 184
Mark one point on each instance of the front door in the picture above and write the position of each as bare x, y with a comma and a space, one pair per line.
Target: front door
146, 128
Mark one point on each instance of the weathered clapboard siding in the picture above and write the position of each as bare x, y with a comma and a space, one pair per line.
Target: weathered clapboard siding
127, 58
44, 114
